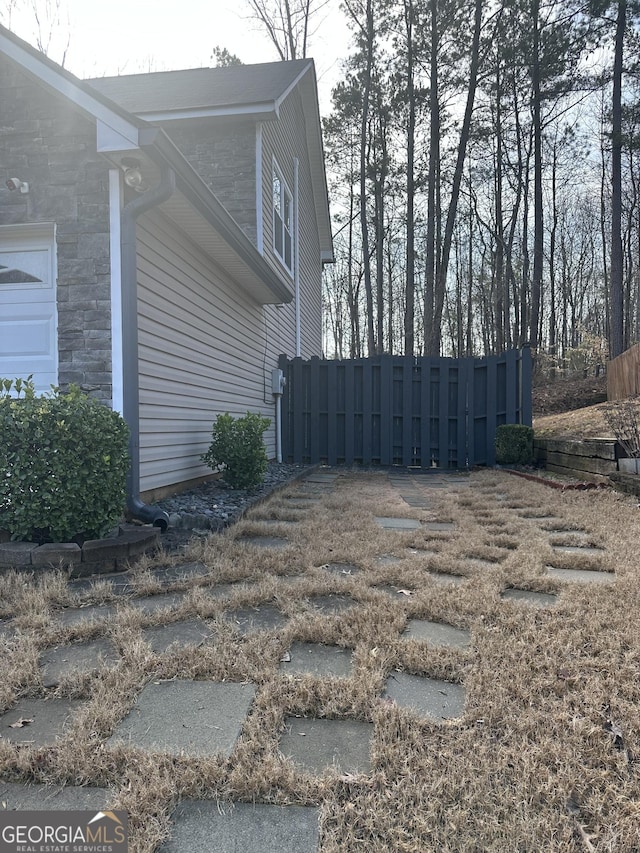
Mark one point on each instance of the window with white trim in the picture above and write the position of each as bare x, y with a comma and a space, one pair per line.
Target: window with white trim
282, 219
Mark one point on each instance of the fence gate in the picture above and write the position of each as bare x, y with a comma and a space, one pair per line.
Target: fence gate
401, 410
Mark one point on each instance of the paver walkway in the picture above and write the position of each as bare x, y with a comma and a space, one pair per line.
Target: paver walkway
265, 640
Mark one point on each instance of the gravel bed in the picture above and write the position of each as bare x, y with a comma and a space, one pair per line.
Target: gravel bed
214, 505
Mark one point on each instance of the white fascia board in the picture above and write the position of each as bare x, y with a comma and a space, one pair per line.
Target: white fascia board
108, 139
266, 111
292, 85
64, 86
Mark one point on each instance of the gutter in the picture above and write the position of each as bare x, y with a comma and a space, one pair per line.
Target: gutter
131, 394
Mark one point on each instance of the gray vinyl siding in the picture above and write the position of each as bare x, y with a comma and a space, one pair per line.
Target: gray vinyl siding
285, 140
205, 348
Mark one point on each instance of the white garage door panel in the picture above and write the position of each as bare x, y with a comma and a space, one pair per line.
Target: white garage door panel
28, 311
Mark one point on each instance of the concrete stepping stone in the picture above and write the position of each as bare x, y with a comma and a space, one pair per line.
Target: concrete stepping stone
322, 477
201, 826
70, 617
189, 633
416, 502
537, 599
264, 617
429, 697
315, 745
436, 633
152, 604
581, 575
120, 584
398, 591
330, 604
446, 579
397, 523
343, 569
7, 631
194, 718
317, 659
62, 662
433, 484
27, 797
568, 532
441, 526
263, 541
187, 571
579, 549
49, 720
224, 590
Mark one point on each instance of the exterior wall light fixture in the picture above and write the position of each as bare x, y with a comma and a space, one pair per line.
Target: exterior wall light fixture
17, 184
133, 176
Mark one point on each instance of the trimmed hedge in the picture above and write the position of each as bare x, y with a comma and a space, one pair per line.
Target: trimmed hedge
514, 444
237, 446
64, 461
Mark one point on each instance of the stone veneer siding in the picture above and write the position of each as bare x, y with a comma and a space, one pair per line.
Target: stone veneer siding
45, 142
223, 153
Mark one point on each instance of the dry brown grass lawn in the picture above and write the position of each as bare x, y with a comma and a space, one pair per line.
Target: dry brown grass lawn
577, 424
546, 755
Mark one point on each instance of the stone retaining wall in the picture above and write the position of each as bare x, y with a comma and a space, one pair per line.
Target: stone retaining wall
96, 556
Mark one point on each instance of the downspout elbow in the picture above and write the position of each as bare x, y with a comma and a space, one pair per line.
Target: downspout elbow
147, 513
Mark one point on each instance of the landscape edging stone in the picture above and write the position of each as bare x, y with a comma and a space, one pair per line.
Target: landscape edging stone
95, 556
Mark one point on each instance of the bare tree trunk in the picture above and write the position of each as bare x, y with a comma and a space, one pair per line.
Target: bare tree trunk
552, 262
616, 335
538, 214
430, 336
409, 314
500, 277
458, 173
364, 138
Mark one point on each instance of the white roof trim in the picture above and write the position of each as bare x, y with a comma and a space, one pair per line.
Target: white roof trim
292, 86
60, 83
265, 111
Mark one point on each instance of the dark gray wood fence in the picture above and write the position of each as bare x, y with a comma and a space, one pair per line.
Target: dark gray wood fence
398, 410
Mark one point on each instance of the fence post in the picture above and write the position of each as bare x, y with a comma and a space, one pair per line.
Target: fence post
526, 370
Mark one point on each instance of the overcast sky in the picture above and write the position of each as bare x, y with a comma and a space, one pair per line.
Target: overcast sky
128, 36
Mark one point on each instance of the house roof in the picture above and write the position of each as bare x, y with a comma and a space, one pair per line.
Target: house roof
120, 131
237, 88
255, 91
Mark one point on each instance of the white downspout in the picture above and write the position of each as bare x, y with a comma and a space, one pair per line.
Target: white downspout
117, 365
259, 201
296, 254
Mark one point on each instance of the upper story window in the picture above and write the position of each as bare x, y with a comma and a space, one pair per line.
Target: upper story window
282, 220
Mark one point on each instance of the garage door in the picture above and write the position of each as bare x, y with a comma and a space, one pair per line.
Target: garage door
28, 315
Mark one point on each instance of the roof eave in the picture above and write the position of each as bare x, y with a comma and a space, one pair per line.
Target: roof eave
315, 145
267, 111
155, 142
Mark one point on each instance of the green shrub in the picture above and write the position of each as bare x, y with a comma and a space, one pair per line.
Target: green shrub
514, 444
63, 462
238, 446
